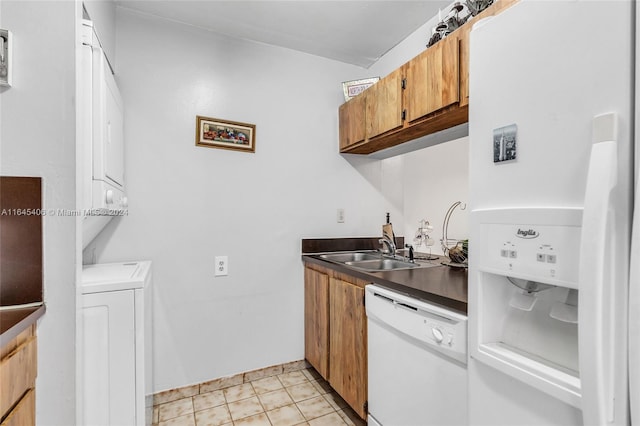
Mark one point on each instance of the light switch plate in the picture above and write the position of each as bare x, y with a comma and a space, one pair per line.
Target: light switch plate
5, 57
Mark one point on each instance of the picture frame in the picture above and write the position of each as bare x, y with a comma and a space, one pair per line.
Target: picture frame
353, 88
505, 143
225, 134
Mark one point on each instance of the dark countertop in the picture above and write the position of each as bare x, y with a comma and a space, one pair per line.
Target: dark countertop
442, 285
15, 321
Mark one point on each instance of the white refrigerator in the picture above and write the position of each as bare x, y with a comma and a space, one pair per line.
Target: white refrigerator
553, 304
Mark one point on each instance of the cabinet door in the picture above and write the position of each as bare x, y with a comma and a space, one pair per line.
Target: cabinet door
109, 368
316, 320
348, 344
352, 121
18, 370
463, 49
432, 79
384, 105
24, 413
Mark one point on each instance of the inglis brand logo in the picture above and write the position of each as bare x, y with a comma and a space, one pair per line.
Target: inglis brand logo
528, 233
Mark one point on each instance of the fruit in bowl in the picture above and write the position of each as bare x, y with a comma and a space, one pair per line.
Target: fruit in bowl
460, 252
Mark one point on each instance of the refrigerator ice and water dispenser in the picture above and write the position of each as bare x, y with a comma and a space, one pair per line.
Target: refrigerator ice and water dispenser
527, 278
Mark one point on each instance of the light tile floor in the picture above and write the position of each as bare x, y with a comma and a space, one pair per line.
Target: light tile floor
299, 397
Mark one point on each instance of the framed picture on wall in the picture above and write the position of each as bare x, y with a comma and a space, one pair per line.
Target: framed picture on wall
225, 134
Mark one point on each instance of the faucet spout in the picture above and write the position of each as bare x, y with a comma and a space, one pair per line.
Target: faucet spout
389, 243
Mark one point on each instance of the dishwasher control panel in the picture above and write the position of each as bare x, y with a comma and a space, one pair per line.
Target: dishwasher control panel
440, 334
433, 326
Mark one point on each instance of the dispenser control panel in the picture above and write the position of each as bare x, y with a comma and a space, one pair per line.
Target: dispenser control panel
538, 244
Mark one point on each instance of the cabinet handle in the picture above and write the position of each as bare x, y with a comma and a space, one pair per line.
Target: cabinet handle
404, 115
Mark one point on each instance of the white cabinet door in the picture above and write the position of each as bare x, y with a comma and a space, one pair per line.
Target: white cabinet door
109, 358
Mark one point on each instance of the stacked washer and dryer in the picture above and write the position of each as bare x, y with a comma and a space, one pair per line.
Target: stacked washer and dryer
115, 325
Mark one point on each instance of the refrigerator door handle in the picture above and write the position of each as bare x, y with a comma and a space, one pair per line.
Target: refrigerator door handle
634, 316
594, 306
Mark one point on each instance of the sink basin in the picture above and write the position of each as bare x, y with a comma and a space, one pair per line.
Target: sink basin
382, 264
350, 257
371, 261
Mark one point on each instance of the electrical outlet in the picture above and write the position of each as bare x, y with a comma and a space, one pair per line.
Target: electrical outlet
222, 266
340, 216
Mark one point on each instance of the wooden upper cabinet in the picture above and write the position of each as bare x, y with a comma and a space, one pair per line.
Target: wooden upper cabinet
316, 320
348, 344
384, 105
352, 121
463, 55
435, 95
432, 79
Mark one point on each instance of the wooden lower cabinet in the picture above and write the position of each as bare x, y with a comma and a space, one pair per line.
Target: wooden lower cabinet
18, 370
348, 344
336, 333
316, 320
24, 413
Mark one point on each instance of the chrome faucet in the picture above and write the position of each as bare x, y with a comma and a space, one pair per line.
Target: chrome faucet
389, 243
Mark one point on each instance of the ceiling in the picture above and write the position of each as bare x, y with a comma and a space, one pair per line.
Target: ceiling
355, 32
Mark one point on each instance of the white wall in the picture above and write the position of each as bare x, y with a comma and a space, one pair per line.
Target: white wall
103, 16
37, 138
433, 179
189, 204
406, 50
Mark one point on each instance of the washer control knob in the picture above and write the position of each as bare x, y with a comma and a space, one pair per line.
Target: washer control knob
109, 196
437, 334
124, 202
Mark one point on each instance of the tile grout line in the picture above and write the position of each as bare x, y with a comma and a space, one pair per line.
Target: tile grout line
307, 376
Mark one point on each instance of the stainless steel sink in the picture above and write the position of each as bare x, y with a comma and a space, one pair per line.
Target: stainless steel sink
351, 256
372, 261
383, 264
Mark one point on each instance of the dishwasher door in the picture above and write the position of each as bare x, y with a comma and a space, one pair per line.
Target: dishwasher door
416, 361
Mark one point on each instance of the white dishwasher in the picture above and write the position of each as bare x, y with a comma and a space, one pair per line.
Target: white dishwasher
417, 356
